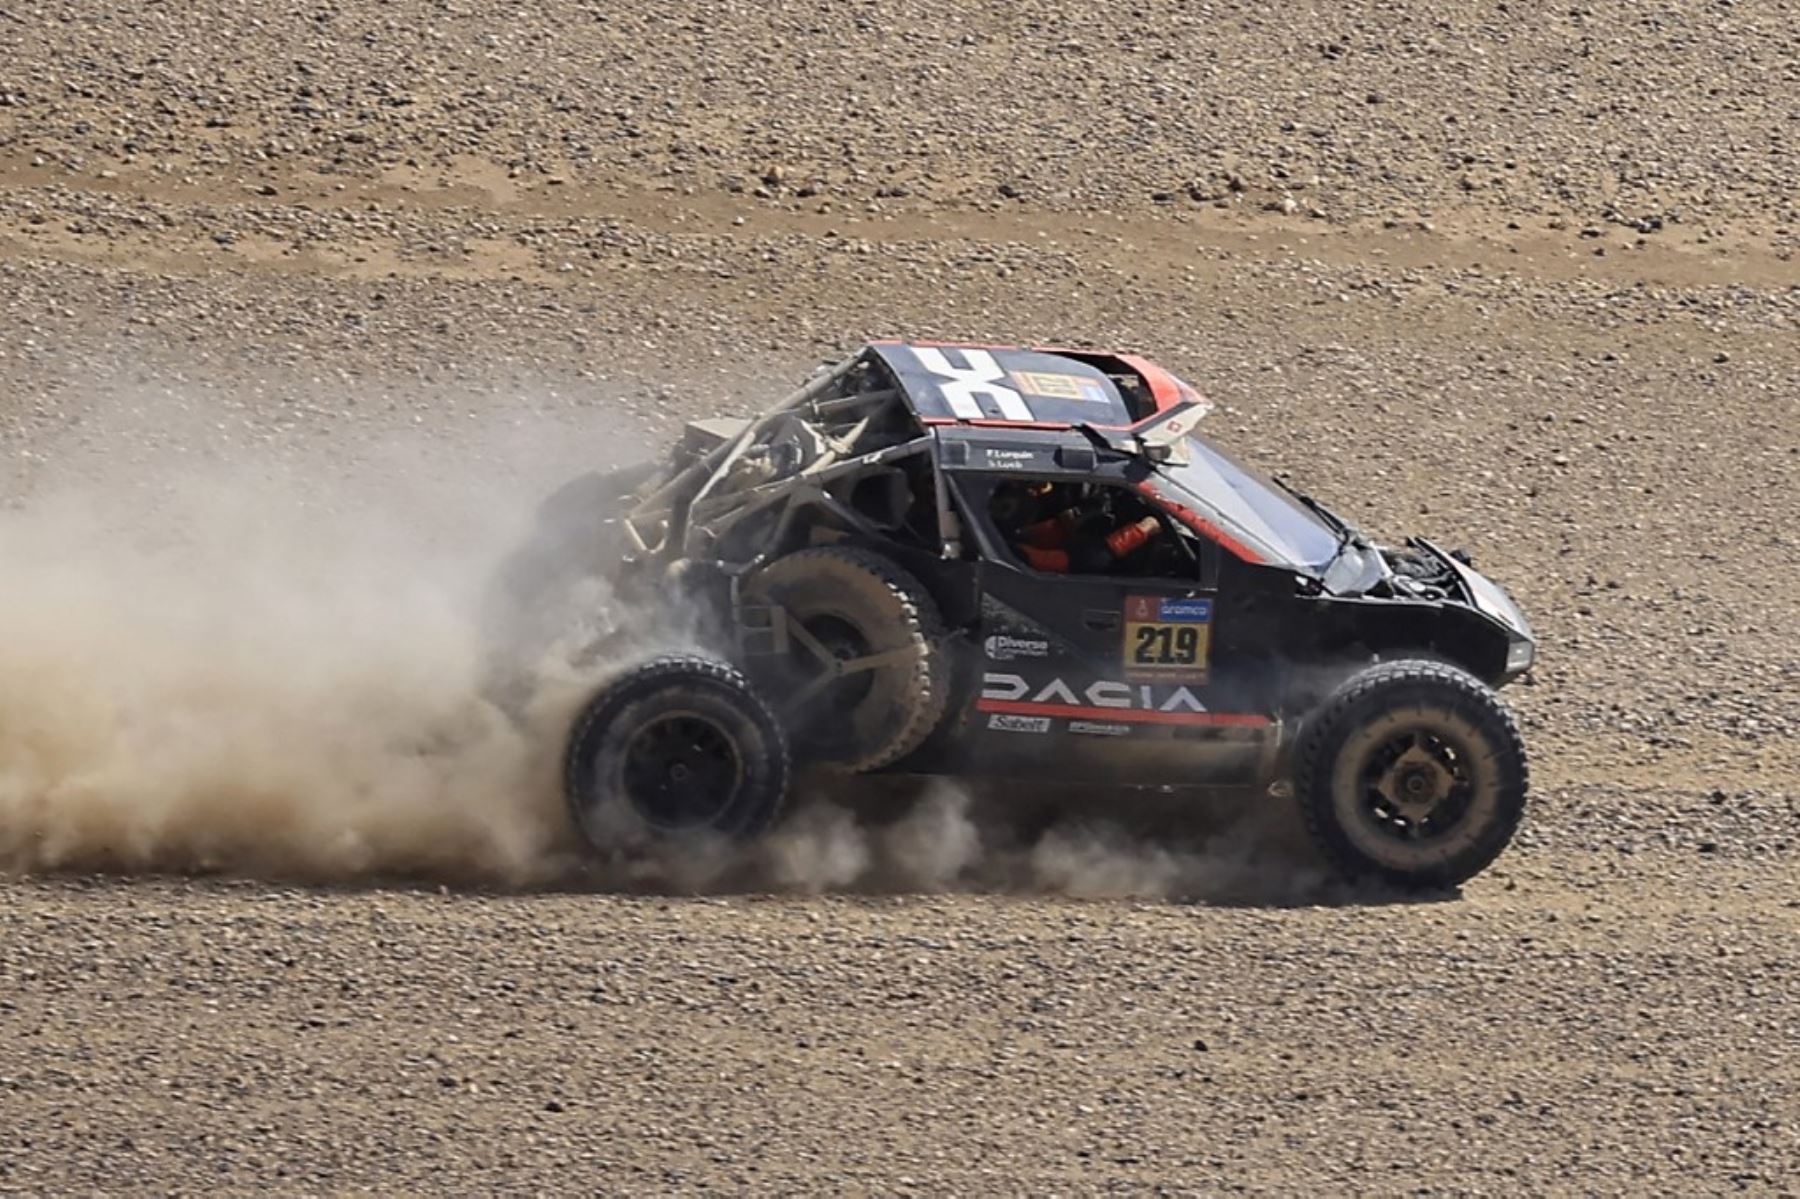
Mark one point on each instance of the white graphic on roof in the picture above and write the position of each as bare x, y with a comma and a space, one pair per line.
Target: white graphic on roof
963, 386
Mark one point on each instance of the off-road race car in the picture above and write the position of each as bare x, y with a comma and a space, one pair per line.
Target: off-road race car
1017, 563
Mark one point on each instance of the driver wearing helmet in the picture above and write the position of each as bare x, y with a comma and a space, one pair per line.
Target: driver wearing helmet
1060, 533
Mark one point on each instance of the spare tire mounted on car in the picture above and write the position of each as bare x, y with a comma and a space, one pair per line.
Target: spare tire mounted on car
865, 680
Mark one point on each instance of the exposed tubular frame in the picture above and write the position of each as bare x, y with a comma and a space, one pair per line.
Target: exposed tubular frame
713, 465
690, 520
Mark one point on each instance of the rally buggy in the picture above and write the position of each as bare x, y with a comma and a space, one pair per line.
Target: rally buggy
1017, 563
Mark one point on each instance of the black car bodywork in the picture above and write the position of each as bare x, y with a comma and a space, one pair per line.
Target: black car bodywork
1215, 652
1189, 650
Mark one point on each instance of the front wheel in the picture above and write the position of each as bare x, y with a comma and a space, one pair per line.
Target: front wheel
1412, 773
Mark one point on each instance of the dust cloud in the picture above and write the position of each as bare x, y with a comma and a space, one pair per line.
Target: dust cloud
243, 680
953, 838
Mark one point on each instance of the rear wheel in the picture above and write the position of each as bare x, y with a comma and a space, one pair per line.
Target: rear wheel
1413, 773
866, 679
679, 746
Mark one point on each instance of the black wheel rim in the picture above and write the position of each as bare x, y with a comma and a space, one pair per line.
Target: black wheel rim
1416, 785
681, 770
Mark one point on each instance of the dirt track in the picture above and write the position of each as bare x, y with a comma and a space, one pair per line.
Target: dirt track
465, 252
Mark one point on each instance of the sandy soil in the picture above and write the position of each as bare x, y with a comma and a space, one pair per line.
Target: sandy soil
319, 302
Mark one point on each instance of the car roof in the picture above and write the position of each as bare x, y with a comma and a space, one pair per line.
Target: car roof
959, 383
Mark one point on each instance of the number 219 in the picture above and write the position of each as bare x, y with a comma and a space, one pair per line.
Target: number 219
1161, 645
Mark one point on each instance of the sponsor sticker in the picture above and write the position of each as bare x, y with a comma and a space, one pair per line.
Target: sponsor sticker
1005, 722
1173, 610
1003, 647
1099, 697
1094, 728
1059, 387
1103, 701
1191, 611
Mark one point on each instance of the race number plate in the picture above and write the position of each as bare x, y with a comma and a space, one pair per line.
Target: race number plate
1167, 639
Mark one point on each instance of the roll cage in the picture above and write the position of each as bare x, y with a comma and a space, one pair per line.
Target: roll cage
853, 450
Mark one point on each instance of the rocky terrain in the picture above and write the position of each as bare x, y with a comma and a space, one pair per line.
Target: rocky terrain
1517, 278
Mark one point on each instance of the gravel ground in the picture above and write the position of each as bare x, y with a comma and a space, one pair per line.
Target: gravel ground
1520, 281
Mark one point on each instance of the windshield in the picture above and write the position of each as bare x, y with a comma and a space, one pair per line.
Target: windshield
1255, 504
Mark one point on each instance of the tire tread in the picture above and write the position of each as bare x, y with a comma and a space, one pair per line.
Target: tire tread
1329, 724
925, 627
677, 668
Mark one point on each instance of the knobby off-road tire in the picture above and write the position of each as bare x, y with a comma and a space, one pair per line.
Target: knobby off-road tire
1412, 773
857, 604
535, 596
678, 746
